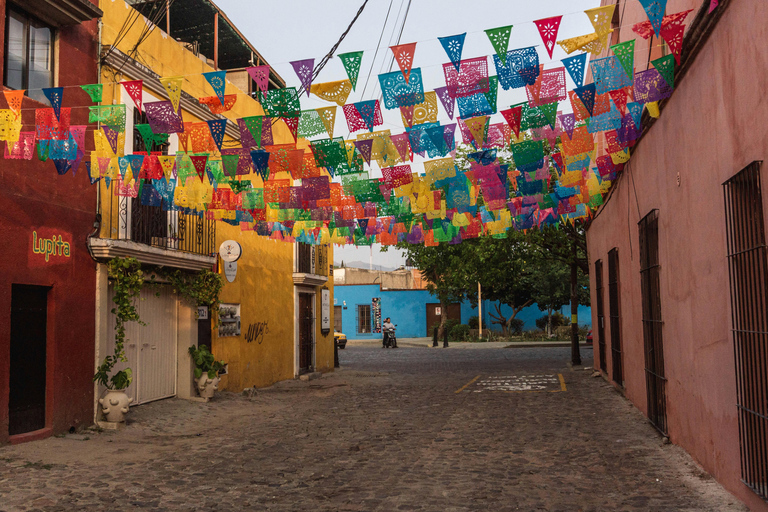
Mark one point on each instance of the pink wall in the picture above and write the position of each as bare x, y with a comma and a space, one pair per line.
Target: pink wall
710, 129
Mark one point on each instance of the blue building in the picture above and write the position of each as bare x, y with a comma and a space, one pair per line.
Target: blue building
360, 308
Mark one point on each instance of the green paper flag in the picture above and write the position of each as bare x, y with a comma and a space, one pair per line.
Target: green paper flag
625, 52
254, 124
94, 91
351, 63
493, 90
666, 68
229, 163
550, 112
500, 40
146, 133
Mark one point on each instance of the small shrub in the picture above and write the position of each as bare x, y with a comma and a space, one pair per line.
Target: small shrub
516, 327
459, 332
558, 320
473, 322
450, 324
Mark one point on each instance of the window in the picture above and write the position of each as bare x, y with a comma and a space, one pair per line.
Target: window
363, 318
600, 313
748, 272
139, 145
615, 314
29, 54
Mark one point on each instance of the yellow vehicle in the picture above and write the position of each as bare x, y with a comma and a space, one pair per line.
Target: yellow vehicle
340, 338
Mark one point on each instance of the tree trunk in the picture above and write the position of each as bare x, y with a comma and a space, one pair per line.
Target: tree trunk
443, 319
500, 319
575, 355
549, 322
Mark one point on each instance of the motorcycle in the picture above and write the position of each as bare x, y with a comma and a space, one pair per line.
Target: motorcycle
390, 340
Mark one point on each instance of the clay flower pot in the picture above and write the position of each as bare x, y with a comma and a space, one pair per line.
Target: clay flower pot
114, 405
207, 386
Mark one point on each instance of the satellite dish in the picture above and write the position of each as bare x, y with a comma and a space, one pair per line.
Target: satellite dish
230, 251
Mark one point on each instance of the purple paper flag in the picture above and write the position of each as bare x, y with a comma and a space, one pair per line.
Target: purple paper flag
304, 69
446, 99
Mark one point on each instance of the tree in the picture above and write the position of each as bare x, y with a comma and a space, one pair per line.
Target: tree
553, 290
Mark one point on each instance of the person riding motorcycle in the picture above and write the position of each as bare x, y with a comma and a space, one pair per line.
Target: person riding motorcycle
389, 334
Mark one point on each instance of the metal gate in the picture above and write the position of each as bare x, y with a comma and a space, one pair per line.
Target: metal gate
600, 313
748, 272
655, 382
617, 367
151, 349
306, 333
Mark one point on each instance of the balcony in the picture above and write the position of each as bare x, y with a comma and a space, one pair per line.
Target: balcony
154, 236
311, 267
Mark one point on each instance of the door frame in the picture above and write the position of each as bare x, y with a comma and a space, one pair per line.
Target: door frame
297, 325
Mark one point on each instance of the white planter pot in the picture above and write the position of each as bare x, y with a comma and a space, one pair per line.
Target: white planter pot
207, 386
114, 405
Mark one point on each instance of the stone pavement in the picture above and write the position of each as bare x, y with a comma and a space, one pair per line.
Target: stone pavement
406, 429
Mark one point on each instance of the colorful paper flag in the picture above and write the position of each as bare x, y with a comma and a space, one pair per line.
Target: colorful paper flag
548, 28
218, 82
453, 46
352, 61
499, 38
304, 69
404, 57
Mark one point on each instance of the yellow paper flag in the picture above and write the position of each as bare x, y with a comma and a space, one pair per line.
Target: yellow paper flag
172, 85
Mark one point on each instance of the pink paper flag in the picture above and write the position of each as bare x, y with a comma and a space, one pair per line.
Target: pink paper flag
260, 75
134, 88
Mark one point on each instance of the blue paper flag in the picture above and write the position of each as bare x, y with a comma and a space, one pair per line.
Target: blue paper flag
260, 162
218, 80
54, 95
217, 127
575, 66
586, 94
453, 46
655, 11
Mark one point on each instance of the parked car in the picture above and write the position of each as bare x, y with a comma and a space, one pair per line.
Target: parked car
589, 337
340, 338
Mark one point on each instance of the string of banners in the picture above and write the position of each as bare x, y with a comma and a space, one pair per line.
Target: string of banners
287, 191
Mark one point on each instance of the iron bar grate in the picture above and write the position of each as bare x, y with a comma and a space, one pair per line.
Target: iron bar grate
615, 317
600, 314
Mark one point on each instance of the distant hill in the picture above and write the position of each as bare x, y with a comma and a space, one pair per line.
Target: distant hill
361, 264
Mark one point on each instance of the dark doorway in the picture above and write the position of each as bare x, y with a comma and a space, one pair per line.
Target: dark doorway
26, 406
204, 336
600, 314
337, 318
614, 310
306, 332
434, 315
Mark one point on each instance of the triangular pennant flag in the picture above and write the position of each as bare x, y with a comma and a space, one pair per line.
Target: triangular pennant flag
476, 127
147, 135
14, 99
453, 46
62, 166
550, 112
135, 161
514, 117
107, 181
712, 5
218, 82
600, 18
575, 67
94, 91
499, 38
404, 57
620, 98
261, 162
625, 52
304, 69
229, 165
134, 89
328, 116
403, 145
368, 110
166, 163
199, 161
437, 137
111, 136
407, 113
172, 86
672, 33
666, 68
217, 127
568, 122
365, 147
351, 61
446, 99
655, 11
54, 97
293, 126
548, 28
586, 94
260, 75
254, 125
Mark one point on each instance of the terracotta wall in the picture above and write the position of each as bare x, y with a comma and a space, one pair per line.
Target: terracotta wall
709, 131
34, 197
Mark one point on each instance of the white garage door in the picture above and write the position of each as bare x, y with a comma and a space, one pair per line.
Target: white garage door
150, 348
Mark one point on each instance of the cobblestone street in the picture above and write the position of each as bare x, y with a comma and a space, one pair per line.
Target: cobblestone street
486, 429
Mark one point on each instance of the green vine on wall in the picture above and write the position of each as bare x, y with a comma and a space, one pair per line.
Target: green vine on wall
200, 289
127, 280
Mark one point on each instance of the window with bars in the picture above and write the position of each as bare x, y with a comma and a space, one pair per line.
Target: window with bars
748, 275
364, 318
600, 313
655, 381
617, 369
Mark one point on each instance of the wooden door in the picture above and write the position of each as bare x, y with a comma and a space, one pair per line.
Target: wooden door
337, 318
434, 315
306, 332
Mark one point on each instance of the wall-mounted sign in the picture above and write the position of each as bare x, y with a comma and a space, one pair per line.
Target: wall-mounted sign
325, 311
50, 245
438, 311
202, 312
230, 270
230, 251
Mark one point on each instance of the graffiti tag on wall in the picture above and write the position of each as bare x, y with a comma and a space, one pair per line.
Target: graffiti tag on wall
256, 332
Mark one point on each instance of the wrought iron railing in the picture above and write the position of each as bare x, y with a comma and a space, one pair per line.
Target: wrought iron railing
126, 218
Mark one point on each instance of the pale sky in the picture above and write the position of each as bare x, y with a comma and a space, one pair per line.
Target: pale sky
292, 30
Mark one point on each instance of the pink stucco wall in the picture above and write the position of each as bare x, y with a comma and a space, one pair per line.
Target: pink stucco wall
711, 128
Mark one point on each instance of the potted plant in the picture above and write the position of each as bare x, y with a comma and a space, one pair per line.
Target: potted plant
127, 281
207, 370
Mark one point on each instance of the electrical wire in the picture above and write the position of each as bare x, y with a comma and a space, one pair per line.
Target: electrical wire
370, 70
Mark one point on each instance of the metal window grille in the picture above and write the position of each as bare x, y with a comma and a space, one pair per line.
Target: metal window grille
305, 258
748, 275
600, 314
363, 318
615, 316
655, 381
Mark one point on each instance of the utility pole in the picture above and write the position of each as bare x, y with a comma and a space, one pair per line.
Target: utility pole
575, 355
480, 308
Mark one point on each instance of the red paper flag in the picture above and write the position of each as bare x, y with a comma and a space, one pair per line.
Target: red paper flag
199, 163
513, 117
404, 57
134, 88
548, 28
672, 33
293, 125
407, 112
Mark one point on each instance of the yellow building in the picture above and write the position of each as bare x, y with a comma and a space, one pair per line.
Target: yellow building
270, 328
